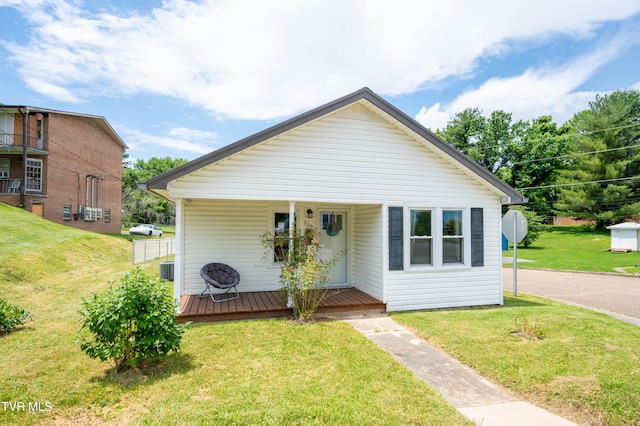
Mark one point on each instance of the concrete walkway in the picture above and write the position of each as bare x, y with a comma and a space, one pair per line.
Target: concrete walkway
474, 396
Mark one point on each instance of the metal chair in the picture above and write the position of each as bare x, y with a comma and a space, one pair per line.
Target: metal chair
222, 277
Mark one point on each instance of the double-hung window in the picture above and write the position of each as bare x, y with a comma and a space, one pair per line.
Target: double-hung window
421, 237
452, 237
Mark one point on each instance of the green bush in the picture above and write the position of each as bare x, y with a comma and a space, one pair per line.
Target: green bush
131, 322
11, 316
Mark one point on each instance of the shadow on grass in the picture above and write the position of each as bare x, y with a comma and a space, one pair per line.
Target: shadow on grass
509, 302
148, 371
519, 302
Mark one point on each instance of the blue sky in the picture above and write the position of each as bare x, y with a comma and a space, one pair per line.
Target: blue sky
182, 78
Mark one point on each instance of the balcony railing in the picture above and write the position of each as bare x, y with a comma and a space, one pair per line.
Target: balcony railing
17, 140
10, 186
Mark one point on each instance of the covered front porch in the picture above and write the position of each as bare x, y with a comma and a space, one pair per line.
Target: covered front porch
269, 304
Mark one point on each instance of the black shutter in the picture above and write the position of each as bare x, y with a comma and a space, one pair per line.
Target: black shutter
396, 255
477, 237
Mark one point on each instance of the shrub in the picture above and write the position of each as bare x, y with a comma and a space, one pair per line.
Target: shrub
303, 275
11, 316
131, 322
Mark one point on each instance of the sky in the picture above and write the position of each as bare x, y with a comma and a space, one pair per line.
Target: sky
183, 78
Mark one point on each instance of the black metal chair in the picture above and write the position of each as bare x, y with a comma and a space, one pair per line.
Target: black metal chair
222, 277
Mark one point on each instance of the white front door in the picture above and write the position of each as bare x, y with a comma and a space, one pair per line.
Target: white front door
333, 235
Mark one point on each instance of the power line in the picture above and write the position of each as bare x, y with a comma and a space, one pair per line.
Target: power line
578, 183
567, 135
576, 154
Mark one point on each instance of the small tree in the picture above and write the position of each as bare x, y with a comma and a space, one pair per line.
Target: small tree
303, 275
11, 316
131, 322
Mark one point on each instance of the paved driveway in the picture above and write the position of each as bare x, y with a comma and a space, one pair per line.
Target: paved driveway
612, 293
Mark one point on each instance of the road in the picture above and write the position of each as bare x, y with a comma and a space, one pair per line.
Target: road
616, 295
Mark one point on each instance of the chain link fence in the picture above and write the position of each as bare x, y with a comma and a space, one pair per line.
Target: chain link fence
144, 250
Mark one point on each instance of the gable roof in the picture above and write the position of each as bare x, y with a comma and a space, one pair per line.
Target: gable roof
159, 184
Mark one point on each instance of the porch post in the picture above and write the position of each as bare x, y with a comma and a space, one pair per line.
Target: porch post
178, 262
292, 220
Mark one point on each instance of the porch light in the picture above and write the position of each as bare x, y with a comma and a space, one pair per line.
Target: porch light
310, 213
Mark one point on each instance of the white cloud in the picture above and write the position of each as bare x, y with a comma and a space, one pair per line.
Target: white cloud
548, 90
268, 59
181, 141
433, 118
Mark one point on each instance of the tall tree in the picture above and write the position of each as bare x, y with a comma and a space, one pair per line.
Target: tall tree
522, 153
608, 135
138, 206
537, 159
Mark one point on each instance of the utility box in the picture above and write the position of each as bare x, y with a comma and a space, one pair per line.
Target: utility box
624, 236
166, 270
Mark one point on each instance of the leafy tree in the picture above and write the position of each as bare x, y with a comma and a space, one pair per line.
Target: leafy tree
522, 153
486, 140
141, 207
609, 131
538, 159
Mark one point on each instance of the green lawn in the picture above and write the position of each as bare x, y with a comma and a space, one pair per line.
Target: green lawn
578, 249
584, 365
252, 372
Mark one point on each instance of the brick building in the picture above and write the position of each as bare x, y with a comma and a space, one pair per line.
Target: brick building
63, 166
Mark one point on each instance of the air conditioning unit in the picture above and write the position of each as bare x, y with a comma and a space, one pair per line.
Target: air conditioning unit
166, 270
88, 214
91, 214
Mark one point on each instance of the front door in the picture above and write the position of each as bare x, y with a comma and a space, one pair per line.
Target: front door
333, 237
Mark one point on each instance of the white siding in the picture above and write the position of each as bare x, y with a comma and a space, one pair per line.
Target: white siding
456, 286
335, 159
351, 158
227, 232
367, 256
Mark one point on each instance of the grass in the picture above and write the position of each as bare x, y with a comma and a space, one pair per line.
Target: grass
578, 249
251, 372
578, 363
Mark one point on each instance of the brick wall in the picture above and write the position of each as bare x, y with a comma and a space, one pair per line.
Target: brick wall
78, 147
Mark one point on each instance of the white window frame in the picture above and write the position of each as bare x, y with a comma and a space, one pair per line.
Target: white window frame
437, 238
5, 172
271, 229
444, 237
422, 237
31, 181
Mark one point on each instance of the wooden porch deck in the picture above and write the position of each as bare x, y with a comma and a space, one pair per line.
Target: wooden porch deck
269, 304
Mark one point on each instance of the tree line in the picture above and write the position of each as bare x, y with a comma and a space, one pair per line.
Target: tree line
587, 168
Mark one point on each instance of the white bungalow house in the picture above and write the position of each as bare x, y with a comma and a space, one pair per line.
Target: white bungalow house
421, 222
